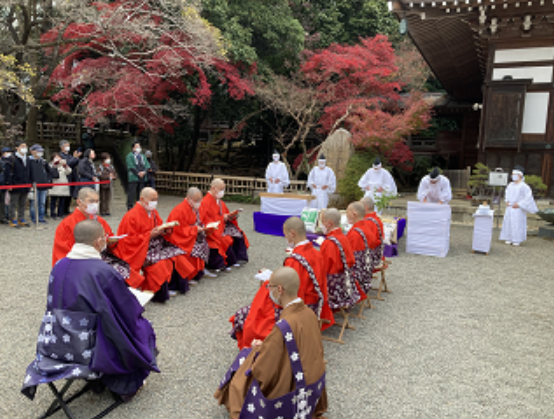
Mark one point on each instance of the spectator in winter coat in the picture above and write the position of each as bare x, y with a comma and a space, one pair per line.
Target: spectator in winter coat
72, 160
106, 172
59, 194
41, 173
87, 172
5, 164
19, 174
151, 181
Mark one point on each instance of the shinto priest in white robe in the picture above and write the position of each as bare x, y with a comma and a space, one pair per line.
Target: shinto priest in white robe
375, 178
276, 170
434, 188
322, 176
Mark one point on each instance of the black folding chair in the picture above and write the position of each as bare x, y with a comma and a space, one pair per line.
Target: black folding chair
62, 404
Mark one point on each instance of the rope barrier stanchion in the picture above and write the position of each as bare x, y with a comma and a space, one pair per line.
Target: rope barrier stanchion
35, 202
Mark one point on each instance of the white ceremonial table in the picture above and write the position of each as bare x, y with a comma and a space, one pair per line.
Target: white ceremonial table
482, 232
428, 229
284, 204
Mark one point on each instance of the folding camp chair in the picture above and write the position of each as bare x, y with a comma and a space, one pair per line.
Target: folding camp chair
382, 281
344, 325
62, 404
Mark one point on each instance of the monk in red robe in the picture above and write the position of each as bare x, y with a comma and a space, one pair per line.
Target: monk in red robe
371, 214
190, 234
228, 243
362, 240
374, 221
145, 248
338, 261
87, 208
257, 320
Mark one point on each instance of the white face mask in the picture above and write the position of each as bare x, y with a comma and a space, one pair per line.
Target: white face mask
138, 150
7, 155
107, 161
23, 151
276, 157
196, 205
275, 300
515, 177
321, 164
290, 244
40, 154
220, 194
152, 205
324, 229
67, 149
92, 209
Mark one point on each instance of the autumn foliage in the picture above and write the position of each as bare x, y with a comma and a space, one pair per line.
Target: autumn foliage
134, 62
363, 82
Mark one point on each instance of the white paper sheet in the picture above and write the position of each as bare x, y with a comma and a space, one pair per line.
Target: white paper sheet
143, 297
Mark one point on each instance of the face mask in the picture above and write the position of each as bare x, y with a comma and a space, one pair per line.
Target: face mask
67, 149
92, 209
196, 205
7, 155
324, 229
290, 244
152, 205
275, 300
138, 150
321, 165
40, 154
107, 161
275, 157
23, 151
220, 194
515, 177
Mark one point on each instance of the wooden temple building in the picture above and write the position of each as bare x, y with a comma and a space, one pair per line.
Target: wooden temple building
495, 58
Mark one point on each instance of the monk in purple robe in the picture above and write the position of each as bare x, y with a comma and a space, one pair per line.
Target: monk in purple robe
93, 327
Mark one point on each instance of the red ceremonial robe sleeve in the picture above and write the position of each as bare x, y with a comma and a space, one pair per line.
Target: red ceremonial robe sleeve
260, 319
235, 223
184, 235
137, 225
330, 258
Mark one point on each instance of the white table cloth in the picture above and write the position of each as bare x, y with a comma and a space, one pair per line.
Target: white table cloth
428, 230
482, 232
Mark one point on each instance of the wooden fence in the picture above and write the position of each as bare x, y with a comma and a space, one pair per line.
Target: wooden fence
458, 178
180, 182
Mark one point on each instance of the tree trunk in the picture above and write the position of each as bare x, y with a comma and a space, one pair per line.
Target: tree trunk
153, 145
194, 139
31, 129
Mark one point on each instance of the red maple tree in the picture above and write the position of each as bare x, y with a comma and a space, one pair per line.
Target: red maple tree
363, 82
134, 61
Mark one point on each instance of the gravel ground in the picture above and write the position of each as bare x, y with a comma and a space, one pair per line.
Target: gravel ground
469, 336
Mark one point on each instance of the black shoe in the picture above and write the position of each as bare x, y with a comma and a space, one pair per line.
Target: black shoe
4, 221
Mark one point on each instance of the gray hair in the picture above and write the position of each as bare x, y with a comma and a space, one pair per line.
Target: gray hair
368, 203
85, 192
333, 215
192, 192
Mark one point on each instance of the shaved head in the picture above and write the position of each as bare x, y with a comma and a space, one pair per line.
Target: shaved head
368, 203
295, 224
331, 215
288, 279
88, 231
358, 209
85, 192
218, 183
149, 193
194, 194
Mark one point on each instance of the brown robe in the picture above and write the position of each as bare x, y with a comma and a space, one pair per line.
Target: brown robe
272, 367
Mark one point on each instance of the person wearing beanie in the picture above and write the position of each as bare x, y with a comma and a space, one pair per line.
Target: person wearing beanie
435, 188
377, 181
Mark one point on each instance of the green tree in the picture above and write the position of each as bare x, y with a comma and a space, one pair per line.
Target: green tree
257, 31
344, 21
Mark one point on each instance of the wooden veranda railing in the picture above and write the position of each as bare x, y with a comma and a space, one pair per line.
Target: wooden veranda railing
180, 182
